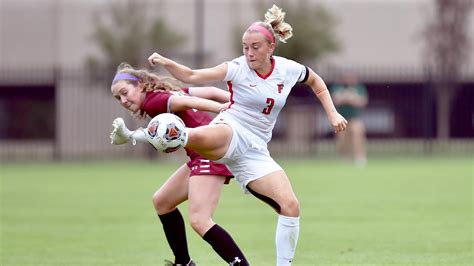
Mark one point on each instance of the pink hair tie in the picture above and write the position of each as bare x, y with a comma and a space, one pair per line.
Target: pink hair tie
262, 30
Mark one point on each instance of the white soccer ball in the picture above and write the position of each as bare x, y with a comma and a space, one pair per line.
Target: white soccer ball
167, 132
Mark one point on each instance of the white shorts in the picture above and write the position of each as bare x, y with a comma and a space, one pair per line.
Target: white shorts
247, 157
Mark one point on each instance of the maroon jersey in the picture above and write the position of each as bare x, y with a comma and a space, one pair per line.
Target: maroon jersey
158, 102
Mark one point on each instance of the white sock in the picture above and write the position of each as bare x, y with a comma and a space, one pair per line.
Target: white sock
286, 238
138, 135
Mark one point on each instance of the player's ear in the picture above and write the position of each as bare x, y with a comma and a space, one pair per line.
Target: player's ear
141, 85
272, 46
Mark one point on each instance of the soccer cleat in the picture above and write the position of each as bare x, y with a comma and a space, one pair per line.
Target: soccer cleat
190, 263
120, 134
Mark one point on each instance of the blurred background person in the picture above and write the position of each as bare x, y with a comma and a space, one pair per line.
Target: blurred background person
350, 98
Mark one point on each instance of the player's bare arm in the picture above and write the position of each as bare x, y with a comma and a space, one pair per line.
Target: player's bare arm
338, 122
211, 93
188, 75
181, 103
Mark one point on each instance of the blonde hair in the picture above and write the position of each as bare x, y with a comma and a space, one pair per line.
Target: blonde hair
149, 81
275, 24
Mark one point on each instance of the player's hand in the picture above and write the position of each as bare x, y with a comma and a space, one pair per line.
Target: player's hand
120, 134
337, 121
155, 59
224, 106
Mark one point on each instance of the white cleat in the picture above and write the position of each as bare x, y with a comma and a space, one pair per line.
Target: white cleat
120, 134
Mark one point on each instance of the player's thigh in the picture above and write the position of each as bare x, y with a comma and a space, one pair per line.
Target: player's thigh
204, 194
174, 191
277, 187
211, 141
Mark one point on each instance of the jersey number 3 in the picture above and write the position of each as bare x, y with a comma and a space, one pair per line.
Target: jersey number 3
268, 109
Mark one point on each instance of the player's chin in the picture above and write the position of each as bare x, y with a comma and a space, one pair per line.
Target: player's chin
133, 108
252, 64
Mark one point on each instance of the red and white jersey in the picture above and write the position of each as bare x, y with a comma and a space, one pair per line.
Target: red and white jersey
257, 100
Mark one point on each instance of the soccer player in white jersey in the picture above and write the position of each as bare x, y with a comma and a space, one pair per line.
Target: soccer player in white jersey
259, 83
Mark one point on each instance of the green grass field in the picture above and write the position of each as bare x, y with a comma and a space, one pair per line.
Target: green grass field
394, 212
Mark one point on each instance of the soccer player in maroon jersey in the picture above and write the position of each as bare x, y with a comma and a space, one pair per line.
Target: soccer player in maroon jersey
200, 180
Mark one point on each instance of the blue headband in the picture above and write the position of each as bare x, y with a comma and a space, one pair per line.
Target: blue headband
122, 76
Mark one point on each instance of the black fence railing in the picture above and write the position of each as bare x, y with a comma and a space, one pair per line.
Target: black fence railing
68, 114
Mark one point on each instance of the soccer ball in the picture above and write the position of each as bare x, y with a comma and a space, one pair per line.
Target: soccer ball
167, 133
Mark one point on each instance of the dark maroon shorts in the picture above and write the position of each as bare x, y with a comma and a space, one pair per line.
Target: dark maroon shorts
203, 166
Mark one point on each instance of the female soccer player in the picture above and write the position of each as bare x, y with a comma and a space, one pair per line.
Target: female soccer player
199, 180
259, 83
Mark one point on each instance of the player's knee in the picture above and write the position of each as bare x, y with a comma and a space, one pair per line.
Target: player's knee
160, 203
156, 201
290, 207
199, 223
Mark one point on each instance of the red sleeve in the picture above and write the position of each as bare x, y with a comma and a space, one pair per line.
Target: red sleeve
156, 103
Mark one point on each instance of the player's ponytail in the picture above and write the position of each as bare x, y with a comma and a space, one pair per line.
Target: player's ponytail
275, 18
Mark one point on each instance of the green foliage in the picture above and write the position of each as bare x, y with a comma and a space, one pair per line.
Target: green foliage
447, 49
313, 31
127, 34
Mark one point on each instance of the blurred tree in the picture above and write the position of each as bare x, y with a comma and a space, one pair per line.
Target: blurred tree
126, 34
447, 49
313, 30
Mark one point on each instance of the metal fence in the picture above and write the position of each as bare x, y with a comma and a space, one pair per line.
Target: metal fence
61, 115
48, 112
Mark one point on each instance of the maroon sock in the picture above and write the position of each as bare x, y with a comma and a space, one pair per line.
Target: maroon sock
224, 245
173, 225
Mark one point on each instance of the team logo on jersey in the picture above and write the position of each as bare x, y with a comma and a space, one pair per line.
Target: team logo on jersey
280, 87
